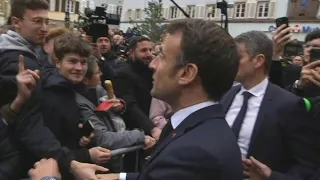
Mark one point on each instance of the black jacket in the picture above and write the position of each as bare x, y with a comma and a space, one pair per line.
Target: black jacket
133, 84
59, 107
12, 45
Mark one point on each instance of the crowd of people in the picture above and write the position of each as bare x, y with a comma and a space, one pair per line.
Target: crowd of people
202, 104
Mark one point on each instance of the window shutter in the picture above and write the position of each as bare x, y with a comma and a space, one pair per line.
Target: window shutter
230, 13
202, 12
253, 8
133, 14
57, 5
247, 10
272, 9
77, 7
196, 13
63, 5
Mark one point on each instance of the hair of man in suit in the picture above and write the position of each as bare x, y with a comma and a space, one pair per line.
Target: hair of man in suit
206, 52
30, 19
257, 43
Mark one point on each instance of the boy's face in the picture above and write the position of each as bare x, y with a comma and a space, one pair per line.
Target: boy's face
73, 67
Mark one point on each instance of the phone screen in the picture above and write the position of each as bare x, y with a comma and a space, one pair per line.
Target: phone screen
314, 54
87, 128
281, 21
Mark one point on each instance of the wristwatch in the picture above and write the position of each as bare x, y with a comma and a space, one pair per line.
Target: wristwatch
296, 84
50, 178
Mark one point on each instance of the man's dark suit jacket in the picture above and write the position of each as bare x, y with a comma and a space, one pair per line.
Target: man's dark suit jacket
285, 137
202, 147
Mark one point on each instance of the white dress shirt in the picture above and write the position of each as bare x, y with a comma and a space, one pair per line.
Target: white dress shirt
252, 112
178, 117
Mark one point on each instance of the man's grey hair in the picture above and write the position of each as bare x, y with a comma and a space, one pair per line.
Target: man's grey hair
257, 42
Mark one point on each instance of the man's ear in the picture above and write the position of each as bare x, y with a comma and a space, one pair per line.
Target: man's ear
15, 22
131, 53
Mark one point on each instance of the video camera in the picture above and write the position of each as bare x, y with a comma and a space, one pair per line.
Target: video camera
97, 22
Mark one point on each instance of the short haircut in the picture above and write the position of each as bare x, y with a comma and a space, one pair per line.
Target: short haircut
257, 42
71, 43
133, 42
92, 64
56, 32
212, 50
19, 7
312, 36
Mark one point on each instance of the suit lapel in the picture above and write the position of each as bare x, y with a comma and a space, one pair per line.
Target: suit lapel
266, 104
193, 120
228, 98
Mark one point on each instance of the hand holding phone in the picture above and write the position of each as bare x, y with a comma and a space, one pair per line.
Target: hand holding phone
314, 54
87, 128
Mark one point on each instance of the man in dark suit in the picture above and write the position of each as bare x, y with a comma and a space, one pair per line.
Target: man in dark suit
270, 123
197, 143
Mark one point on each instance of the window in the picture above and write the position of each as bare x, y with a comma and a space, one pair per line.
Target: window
211, 10
70, 6
263, 9
119, 10
138, 13
173, 12
111, 9
240, 9
191, 10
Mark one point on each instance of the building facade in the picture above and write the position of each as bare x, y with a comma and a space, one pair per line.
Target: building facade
58, 9
4, 11
245, 15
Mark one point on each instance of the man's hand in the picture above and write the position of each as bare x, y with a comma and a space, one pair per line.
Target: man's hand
310, 74
108, 176
100, 155
149, 142
282, 36
84, 171
156, 132
259, 171
96, 52
247, 165
44, 168
27, 81
84, 141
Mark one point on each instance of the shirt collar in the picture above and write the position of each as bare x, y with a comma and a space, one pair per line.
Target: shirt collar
182, 114
258, 90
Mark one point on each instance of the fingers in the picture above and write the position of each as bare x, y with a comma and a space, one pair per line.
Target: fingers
80, 126
103, 150
100, 168
21, 63
312, 65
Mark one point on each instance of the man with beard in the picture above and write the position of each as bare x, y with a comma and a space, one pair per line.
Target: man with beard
133, 84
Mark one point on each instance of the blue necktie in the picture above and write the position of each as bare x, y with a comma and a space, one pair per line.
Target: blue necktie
236, 127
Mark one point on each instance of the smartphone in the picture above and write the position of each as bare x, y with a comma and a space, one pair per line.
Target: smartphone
282, 20
87, 128
314, 54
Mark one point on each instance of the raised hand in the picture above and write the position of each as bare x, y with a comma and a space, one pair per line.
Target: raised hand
26, 80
